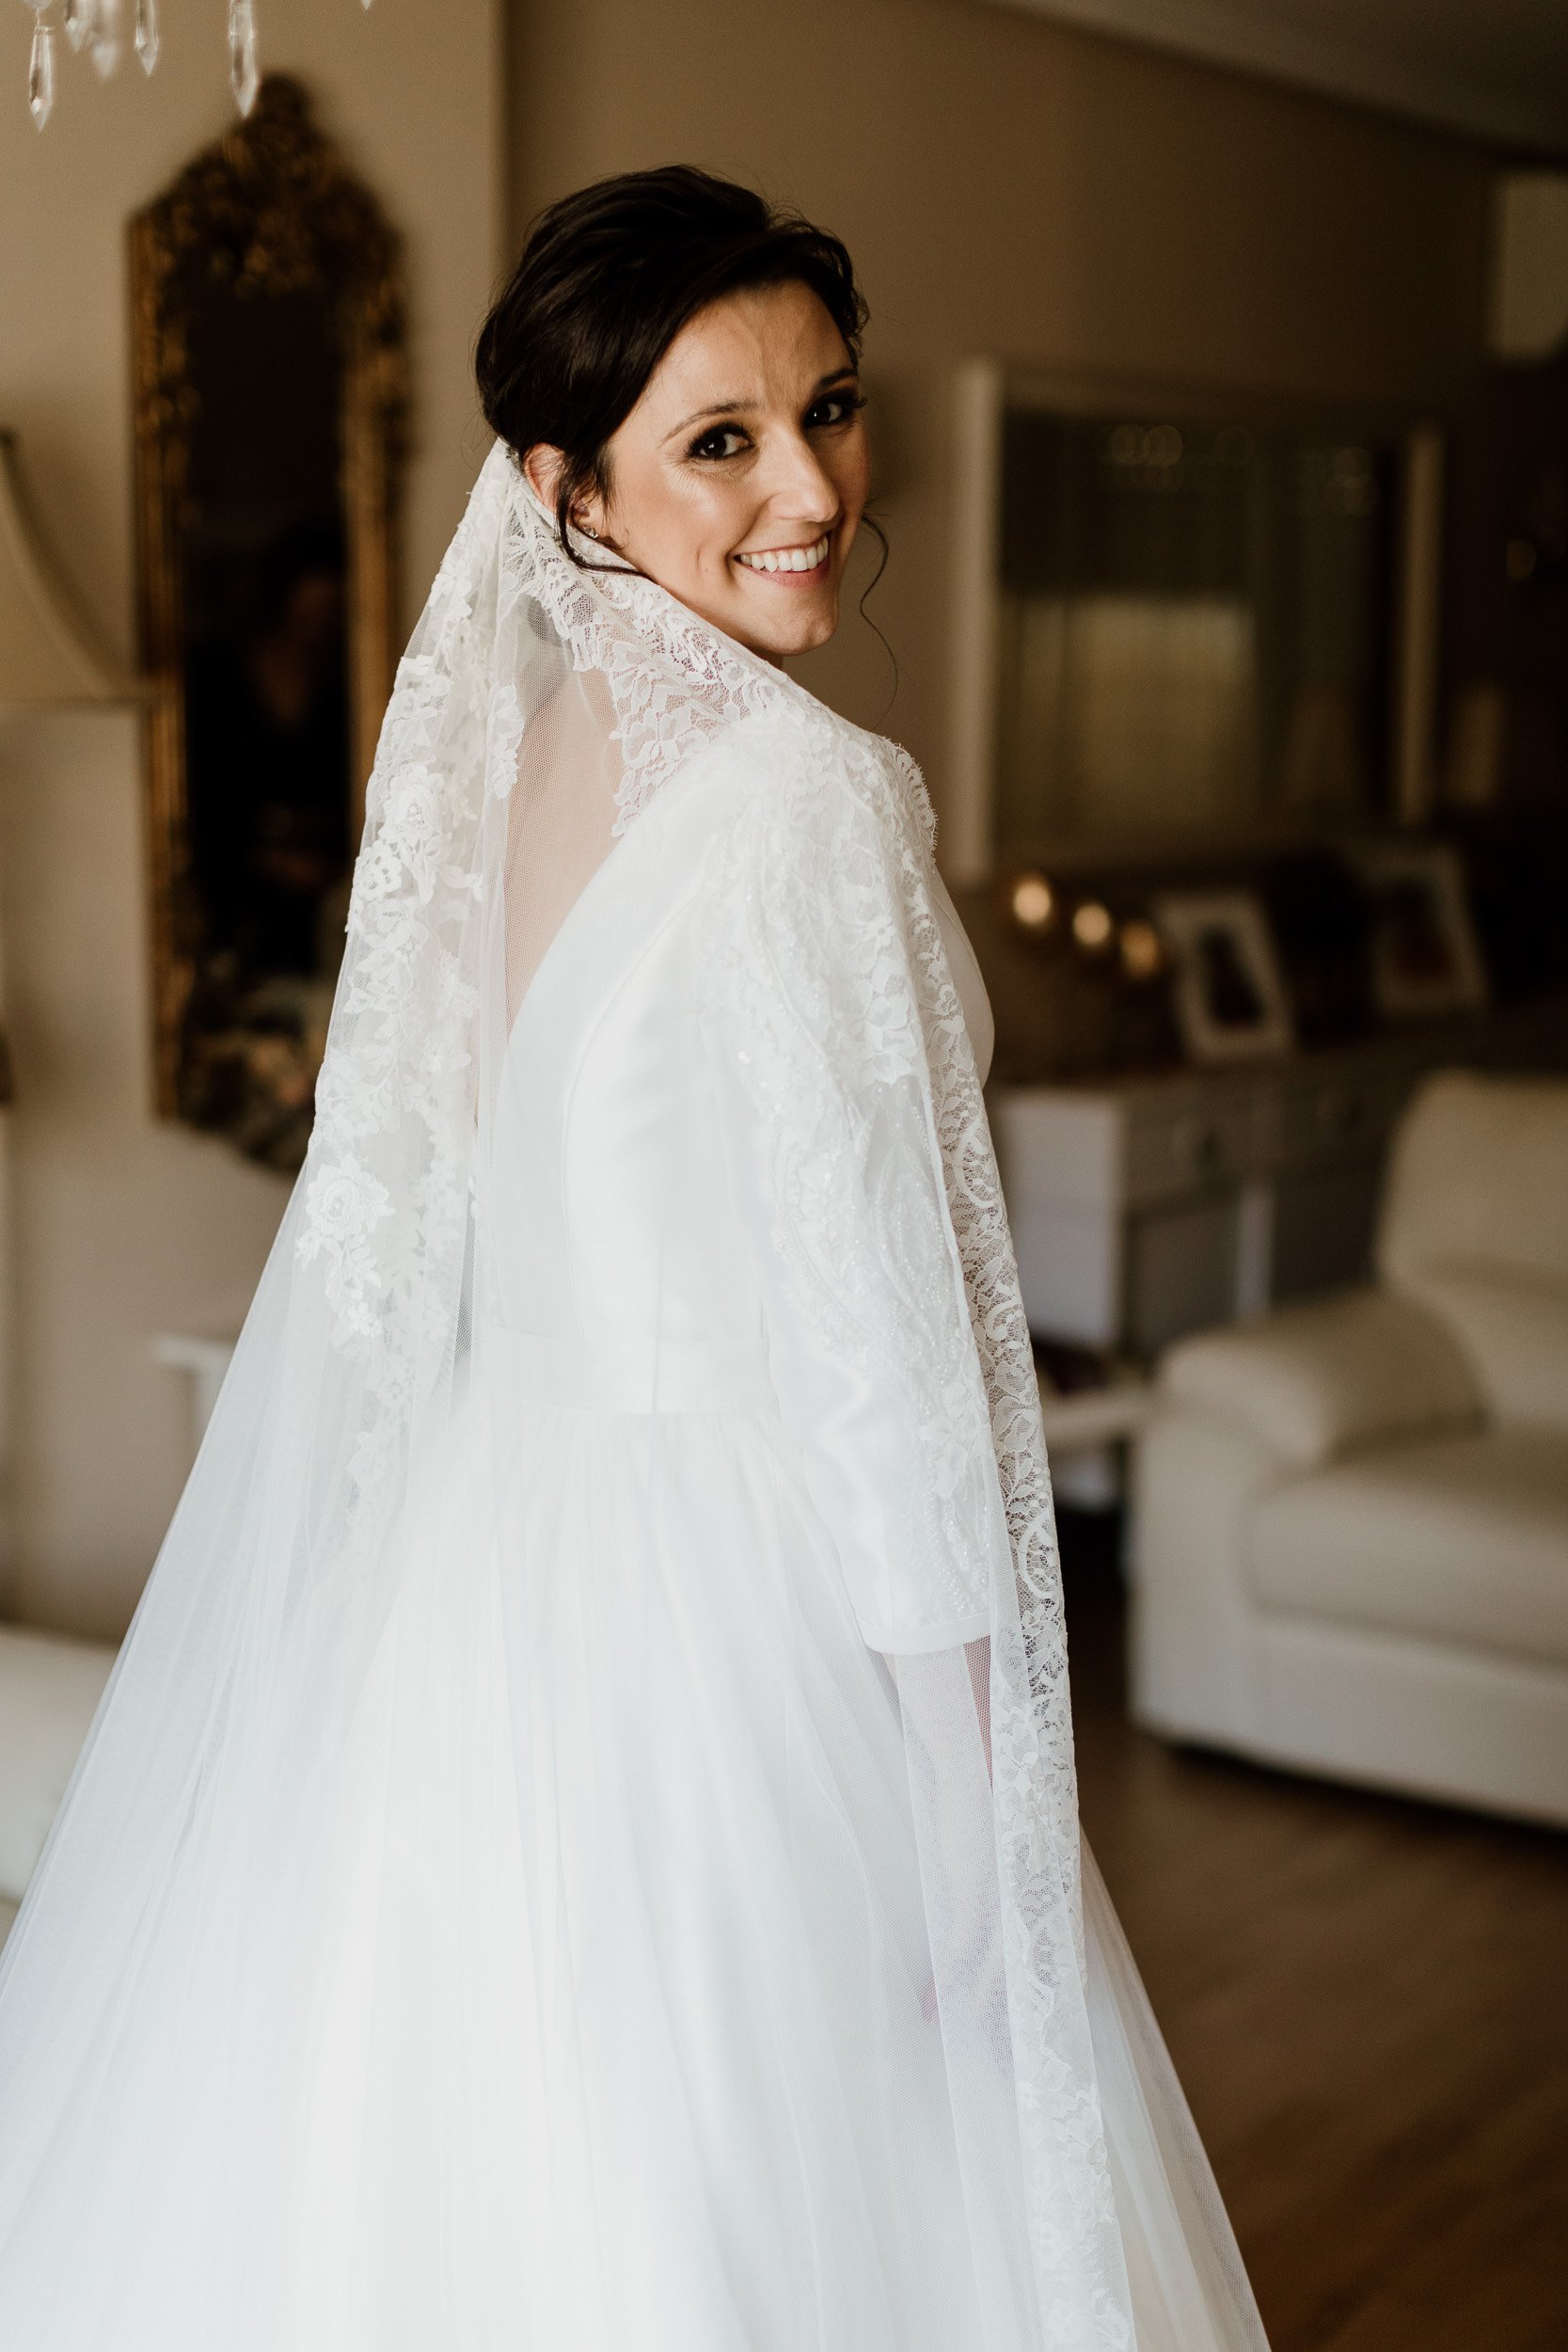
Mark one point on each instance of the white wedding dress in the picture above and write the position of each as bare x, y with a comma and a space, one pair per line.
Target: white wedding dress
583, 1912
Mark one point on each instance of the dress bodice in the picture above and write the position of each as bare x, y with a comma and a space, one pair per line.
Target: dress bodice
613, 1229
613, 1221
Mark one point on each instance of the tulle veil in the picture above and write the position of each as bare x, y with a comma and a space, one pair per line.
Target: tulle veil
163, 2166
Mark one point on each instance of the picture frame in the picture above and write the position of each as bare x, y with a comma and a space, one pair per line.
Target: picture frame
1230, 993
1426, 959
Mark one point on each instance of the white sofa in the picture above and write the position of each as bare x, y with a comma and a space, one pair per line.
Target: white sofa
49, 1691
1350, 1536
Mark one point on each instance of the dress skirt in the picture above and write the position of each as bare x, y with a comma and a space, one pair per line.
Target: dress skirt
588, 2006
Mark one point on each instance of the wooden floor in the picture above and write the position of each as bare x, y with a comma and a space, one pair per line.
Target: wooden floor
1367, 2003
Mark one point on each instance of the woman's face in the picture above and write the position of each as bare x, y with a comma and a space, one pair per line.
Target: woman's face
739, 479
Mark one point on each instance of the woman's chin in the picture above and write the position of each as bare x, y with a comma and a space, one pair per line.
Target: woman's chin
776, 634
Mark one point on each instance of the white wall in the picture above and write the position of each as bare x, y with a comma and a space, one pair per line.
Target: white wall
121, 1226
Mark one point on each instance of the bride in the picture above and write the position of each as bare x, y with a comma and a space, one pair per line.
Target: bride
579, 1853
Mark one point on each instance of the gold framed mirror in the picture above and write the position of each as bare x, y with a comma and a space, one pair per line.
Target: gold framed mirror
271, 390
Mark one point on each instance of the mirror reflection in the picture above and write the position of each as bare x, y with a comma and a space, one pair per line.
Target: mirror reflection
1196, 626
268, 772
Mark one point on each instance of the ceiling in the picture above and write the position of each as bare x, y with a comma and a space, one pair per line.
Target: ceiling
1495, 67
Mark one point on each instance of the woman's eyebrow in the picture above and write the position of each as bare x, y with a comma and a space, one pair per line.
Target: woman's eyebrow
738, 405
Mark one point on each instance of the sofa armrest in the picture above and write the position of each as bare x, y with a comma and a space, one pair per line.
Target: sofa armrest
1314, 1381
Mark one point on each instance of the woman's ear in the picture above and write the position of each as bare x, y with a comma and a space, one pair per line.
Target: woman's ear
542, 464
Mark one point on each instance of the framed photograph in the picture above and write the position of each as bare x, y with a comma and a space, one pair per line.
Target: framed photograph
1230, 998
1425, 958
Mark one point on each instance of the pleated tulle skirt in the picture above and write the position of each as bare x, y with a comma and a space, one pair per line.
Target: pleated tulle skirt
571, 1994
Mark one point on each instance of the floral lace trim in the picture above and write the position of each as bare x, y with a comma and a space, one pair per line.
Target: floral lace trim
385, 1193
1072, 2212
674, 680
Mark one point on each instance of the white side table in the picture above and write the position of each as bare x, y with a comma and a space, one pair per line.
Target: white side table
205, 1360
1094, 1418
1085, 1432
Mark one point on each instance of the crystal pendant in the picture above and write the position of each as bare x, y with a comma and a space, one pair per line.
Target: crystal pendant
41, 72
104, 37
147, 33
79, 15
245, 73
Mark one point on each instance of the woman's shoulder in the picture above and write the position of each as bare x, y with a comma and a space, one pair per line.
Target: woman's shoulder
806, 760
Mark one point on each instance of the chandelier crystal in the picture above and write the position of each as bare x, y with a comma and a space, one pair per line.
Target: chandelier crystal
93, 27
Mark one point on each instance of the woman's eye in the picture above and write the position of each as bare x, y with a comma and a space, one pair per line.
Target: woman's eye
837, 408
725, 440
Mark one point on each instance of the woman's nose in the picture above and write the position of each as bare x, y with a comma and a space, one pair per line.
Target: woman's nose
798, 483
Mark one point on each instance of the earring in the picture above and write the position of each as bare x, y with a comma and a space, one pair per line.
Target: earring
592, 532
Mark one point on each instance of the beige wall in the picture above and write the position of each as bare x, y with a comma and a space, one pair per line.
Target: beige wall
1015, 188
121, 1226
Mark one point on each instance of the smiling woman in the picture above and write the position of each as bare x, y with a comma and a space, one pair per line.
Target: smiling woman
747, 509
721, 450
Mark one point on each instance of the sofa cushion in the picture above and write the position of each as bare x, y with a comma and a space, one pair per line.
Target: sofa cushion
1313, 1381
1461, 1540
1475, 1228
49, 1691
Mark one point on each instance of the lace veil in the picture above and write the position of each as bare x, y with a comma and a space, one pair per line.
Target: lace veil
538, 712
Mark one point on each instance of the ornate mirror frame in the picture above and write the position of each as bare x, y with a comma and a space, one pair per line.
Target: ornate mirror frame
270, 205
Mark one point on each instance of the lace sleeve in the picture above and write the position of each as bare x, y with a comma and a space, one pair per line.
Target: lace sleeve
813, 1029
